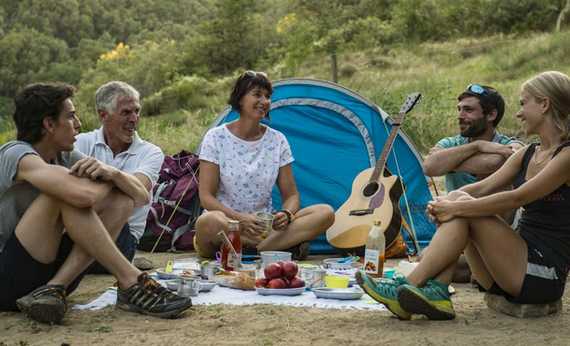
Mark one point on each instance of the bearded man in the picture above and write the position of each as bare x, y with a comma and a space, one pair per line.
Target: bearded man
479, 149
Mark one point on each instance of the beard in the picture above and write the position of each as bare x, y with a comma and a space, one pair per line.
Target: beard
476, 128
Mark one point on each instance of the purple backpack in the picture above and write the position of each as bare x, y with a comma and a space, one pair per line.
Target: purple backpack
175, 205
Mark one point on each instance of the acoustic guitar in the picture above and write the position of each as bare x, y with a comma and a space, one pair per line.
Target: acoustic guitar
375, 195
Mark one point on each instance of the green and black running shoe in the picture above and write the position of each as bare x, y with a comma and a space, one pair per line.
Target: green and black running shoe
384, 291
431, 300
150, 298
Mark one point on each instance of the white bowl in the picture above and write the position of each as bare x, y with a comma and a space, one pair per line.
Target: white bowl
334, 264
206, 286
268, 257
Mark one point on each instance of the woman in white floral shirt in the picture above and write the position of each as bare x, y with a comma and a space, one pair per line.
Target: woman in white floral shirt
240, 162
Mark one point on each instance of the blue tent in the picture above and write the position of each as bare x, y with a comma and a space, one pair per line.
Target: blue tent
334, 134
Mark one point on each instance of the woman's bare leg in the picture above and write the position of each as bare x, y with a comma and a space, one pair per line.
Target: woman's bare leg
309, 223
502, 251
207, 227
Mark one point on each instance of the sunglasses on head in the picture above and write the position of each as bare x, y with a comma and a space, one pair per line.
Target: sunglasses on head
480, 90
253, 74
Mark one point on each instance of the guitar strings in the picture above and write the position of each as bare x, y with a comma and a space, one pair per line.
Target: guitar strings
413, 227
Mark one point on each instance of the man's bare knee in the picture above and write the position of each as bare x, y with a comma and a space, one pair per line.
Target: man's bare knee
40, 228
118, 202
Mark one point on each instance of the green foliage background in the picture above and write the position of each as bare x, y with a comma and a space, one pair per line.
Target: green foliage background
183, 55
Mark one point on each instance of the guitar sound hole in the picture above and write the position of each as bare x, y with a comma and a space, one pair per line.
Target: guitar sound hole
370, 189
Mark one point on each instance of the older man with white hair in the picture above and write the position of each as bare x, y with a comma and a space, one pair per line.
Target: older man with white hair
117, 153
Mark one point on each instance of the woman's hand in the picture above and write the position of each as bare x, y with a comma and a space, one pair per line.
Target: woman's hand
250, 227
280, 221
441, 210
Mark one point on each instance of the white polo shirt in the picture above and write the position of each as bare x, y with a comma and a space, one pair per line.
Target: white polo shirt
141, 157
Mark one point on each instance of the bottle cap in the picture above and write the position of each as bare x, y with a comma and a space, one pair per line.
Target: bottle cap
233, 225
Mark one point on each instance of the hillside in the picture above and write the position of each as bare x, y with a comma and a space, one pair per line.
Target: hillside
183, 55
384, 75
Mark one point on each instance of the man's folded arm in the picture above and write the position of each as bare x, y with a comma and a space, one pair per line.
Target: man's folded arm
56, 181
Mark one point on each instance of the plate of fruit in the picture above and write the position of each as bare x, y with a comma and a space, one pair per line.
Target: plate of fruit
280, 279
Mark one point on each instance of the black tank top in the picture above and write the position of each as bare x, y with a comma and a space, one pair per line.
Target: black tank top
546, 221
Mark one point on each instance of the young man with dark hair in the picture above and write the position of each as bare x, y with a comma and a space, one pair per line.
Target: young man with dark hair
53, 222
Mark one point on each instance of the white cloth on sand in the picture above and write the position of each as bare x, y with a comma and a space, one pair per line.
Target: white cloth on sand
229, 296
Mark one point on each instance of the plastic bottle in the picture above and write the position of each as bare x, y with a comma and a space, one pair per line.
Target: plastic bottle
374, 253
231, 261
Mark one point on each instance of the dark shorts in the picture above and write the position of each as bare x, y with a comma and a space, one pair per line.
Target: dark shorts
543, 283
20, 273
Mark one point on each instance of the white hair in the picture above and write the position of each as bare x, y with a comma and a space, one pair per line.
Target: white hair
107, 94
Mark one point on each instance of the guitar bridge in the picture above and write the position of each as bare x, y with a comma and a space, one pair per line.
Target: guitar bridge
361, 212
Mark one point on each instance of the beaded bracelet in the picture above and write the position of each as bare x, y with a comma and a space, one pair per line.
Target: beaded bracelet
289, 215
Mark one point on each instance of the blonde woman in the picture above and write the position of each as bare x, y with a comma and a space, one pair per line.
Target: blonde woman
528, 266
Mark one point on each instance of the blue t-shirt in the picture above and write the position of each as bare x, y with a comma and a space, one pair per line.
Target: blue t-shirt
455, 180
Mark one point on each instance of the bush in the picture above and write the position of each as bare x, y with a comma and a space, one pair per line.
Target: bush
189, 93
348, 70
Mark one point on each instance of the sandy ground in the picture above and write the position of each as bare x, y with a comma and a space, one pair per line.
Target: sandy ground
277, 325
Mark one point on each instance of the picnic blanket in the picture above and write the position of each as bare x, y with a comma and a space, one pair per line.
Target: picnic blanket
229, 296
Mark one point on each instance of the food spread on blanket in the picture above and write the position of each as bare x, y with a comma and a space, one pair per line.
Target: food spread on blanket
281, 276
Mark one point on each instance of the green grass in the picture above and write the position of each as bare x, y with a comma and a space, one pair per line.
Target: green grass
385, 75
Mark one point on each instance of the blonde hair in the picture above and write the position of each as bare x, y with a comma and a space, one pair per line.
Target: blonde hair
555, 86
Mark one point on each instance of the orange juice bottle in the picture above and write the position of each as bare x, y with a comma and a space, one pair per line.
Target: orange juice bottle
374, 253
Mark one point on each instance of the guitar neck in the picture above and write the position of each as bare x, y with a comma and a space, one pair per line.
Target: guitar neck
381, 163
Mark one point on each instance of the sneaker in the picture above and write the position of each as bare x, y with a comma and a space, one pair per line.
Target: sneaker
148, 297
384, 291
431, 300
45, 304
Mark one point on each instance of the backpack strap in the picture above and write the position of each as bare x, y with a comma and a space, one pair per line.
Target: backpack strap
157, 221
194, 214
178, 233
172, 204
158, 191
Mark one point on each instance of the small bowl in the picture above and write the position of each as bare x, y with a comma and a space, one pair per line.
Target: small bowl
206, 286
336, 281
334, 264
268, 257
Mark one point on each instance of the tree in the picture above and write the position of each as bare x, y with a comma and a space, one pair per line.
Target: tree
562, 15
27, 56
235, 37
331, 26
